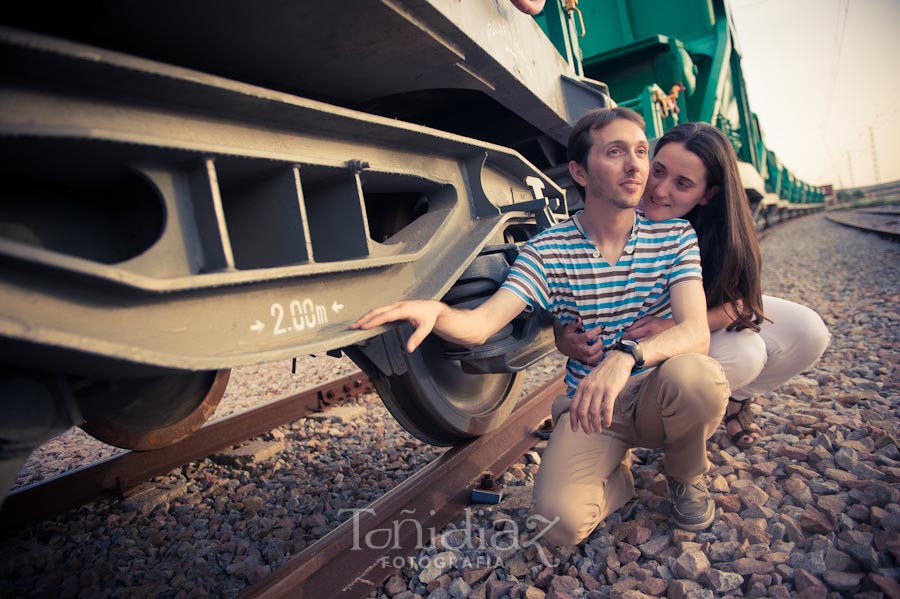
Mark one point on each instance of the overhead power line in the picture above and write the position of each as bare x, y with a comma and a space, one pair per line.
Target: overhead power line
840, 29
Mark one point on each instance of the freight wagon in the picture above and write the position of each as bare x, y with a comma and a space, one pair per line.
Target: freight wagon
189, 187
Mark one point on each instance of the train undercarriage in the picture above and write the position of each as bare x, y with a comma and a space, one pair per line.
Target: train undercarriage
192, 187
161, 225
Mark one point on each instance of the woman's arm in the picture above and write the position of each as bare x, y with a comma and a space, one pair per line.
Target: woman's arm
646, 326
574, 342
722, 316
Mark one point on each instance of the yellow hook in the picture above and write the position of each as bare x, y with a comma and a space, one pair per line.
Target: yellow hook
572, 6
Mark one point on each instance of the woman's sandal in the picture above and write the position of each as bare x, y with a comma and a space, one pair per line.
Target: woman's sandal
749, 428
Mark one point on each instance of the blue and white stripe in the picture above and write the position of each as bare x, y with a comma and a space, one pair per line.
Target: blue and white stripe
556, 270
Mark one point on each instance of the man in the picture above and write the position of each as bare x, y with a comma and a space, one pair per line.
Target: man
607, 265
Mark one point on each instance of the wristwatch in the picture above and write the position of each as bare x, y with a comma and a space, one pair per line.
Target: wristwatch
633, 348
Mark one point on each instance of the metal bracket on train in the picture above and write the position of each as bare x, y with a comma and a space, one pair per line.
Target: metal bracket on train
525, 341
542, 207
383, 354
517, 345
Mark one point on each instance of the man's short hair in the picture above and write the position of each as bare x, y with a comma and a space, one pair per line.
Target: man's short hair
580, 140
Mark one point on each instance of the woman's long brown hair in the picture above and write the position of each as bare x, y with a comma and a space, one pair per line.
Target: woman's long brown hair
729, 246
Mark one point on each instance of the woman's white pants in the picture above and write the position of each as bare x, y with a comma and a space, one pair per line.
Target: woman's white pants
756, 363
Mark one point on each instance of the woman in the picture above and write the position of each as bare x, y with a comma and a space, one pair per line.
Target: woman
760, 341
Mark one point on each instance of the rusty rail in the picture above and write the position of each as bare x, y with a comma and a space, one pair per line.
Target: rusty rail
883, 223
338, 566
118, 474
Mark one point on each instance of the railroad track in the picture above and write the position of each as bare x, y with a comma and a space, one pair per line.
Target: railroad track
893, 209
336, 565
340, 566
68, 543
879, 221
122, 473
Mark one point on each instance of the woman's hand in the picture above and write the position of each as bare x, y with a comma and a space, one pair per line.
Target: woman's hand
647, 326
574, 342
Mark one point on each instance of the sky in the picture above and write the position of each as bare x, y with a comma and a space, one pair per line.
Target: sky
824, 78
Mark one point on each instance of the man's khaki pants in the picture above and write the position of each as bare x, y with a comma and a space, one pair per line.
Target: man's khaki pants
585, 477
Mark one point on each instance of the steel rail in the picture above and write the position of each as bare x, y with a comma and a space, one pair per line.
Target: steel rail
338, 566
120, 473
892, 210
884, 224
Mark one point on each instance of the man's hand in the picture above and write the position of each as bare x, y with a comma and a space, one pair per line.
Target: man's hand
574, 342
421, 314
461, 326
647, 326
594, 400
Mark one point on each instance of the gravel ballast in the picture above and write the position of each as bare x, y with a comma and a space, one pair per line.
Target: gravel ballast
813, 510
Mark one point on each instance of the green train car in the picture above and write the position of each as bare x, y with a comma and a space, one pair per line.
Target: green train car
190, 187
678, 62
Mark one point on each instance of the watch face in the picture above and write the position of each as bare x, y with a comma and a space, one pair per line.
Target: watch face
634, 349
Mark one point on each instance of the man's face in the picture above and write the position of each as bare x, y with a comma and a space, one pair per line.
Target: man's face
617, 165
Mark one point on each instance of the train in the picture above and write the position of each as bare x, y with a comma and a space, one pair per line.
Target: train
191, 187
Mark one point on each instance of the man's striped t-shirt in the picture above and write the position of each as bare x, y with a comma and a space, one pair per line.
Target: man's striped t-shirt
561, 271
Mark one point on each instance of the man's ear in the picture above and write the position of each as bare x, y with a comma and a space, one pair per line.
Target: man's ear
579, 174
708, 195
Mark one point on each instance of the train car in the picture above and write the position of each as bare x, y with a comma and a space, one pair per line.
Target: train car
194, 187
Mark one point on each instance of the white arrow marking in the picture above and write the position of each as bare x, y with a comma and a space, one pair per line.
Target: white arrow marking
257, 327
336, 307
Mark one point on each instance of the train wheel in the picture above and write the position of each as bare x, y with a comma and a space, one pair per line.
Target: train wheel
438, 402
150, 413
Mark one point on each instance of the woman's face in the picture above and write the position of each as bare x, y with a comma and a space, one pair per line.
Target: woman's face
676, 184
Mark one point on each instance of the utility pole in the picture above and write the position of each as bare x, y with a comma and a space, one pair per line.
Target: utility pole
850, 168
874, 155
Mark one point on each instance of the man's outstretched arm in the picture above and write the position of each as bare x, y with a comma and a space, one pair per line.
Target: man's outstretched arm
463, 327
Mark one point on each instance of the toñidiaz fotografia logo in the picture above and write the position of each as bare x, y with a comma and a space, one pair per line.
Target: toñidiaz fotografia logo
395, 535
